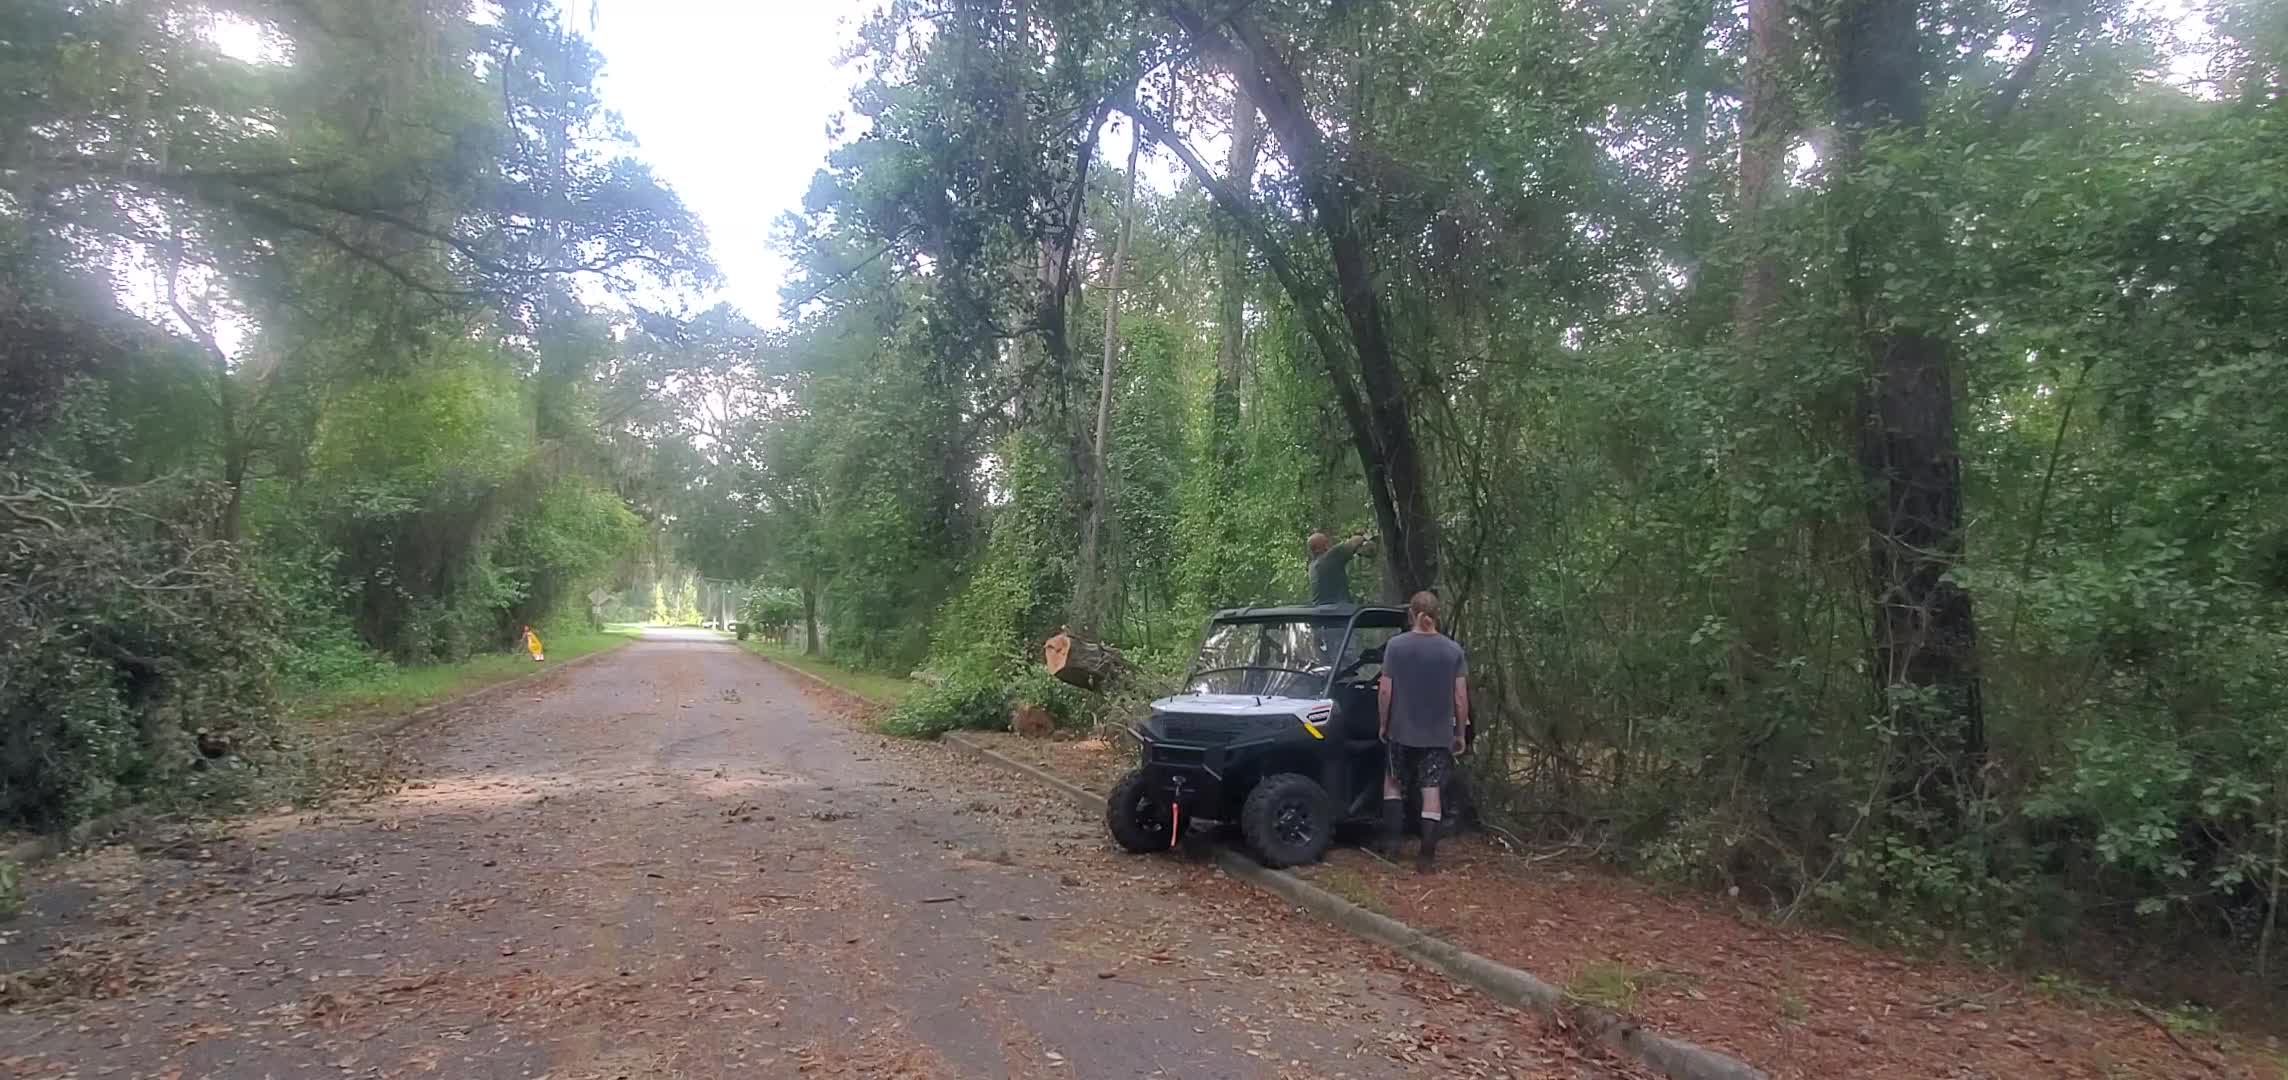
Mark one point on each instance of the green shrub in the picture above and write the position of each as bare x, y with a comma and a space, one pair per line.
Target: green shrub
769, 609
979, 697
976, 705
1911, 892
140, 655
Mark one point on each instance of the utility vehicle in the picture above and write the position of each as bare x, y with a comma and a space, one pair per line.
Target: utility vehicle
1275, 729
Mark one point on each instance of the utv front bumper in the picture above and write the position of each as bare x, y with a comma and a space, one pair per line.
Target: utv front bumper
1195, 778
1189, 777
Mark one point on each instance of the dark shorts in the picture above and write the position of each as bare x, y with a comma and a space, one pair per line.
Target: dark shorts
1420, 766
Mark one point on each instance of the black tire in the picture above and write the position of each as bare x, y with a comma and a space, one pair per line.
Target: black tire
1137, 816
1288, 820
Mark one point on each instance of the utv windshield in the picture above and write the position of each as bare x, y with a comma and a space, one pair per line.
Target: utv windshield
1281, 658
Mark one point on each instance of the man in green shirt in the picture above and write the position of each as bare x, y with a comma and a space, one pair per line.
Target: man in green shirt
1331, 566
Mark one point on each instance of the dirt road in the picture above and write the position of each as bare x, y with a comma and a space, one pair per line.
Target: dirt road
676, 861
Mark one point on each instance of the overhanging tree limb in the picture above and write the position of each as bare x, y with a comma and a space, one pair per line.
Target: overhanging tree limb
1305, 298
895, 239
1388, 450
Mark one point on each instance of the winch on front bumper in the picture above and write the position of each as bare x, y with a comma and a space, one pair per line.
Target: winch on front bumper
1190, 760
1183, 776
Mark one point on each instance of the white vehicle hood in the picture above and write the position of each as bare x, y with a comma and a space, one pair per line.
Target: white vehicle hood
1245, 705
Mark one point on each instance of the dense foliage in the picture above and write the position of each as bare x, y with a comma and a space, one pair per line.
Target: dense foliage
296, 380
1847, 434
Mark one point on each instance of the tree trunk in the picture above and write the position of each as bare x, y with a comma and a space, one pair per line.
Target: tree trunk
1055, 295
1383, 429
1696, 80
1090, 586
1925, 635
1231, 289
1765, 124
234, 478
809, 621
1074, 661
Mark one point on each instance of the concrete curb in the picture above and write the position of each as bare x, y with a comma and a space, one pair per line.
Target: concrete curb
1674, 1058
41, 848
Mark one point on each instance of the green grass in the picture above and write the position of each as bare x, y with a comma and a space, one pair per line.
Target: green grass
401, 690
1610, 985
1795, 1007
2183, 1019
871, 685
1350, 885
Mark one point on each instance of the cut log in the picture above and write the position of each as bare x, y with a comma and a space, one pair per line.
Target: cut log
1090, 665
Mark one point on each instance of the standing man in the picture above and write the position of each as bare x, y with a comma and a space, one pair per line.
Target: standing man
1425, 705
1331, 566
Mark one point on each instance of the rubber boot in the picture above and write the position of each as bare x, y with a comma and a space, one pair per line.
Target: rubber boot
1424, 860
1393, 823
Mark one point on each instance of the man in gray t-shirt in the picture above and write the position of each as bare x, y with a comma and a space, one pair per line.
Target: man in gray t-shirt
1425, 704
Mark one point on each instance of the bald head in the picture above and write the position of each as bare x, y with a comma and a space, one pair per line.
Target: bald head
1319, 543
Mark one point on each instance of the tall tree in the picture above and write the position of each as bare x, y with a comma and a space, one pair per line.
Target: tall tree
1231, 285
1377, 402
1925, 634
1090, 585
1766, 125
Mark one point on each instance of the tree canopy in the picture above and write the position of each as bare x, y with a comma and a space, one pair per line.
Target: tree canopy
1839, 431
315, 361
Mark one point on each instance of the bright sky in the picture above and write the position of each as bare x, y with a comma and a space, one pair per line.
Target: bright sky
730, 101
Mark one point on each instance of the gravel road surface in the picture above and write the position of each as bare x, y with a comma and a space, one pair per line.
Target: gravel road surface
679, 861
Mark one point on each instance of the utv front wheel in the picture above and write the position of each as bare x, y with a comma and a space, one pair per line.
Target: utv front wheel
1137, 816
1288, 819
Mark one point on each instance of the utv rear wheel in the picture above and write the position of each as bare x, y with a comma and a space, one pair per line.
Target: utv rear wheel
1288, 819
1137, 816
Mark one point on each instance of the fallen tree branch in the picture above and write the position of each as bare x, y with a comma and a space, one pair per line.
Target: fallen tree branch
2162, 1023
334, 895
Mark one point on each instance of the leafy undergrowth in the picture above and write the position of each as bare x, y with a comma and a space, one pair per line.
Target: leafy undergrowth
871, 686
984, 697
324, 746
973, 698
